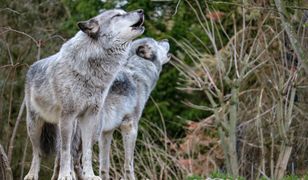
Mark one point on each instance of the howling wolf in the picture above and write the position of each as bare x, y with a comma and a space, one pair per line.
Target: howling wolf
127, 97
72, 85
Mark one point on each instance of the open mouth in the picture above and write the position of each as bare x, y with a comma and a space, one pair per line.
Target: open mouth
139, 23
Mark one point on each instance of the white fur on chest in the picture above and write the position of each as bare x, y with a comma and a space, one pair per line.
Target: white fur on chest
47, 109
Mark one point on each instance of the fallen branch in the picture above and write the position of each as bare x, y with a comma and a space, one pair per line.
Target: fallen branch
11, 145
5, 169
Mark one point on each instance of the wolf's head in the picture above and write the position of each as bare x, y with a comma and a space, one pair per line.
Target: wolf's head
114, 26
152, 50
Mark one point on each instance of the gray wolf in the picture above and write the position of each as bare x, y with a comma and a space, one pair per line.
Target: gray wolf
127, 97
72, 85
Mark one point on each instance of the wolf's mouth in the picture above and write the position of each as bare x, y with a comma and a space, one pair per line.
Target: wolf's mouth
139, 23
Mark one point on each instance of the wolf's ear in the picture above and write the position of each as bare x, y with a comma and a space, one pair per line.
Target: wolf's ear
90, 27
145, 52
165, 44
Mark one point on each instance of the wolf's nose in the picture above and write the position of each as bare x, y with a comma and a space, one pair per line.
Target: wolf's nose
140, 11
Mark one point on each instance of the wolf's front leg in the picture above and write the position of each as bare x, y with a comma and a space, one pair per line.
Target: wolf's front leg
104, 157
34, 126
129, 130
89, 134
66, 132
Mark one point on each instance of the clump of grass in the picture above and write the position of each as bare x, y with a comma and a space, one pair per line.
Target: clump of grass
251, 85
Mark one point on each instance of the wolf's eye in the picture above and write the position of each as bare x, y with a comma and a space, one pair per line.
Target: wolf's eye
117, 15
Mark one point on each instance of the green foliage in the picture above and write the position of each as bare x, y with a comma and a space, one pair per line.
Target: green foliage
78, 11
295, 177
195, 178
215, 175
220, 175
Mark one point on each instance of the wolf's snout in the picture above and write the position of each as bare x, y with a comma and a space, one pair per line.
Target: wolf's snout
140, 21
140, 11
169, 55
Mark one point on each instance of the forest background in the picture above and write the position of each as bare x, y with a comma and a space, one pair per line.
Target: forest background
231, 103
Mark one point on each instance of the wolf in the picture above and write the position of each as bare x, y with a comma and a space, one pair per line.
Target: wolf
71, 86
127, 97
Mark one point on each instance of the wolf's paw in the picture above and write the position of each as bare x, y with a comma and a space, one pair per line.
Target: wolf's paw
69, 177
105, 177
92, 178
31, 177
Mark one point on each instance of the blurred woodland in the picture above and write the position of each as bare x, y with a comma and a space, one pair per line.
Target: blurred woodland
232, 103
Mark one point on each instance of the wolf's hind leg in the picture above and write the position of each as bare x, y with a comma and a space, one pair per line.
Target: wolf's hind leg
129, 130
34, 126
104, 154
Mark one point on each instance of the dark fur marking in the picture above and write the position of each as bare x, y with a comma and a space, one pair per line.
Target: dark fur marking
35, 69
48, 140
95, 63
145, 51
122, 86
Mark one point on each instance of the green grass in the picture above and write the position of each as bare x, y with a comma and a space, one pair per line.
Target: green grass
215, 175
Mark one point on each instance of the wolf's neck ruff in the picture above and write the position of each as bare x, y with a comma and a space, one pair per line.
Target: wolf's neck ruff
117, 49
98, 64
144, 72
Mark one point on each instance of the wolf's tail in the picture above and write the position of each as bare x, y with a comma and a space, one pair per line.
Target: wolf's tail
48, 139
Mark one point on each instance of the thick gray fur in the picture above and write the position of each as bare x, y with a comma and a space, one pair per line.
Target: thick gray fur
127, 97
72, 85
